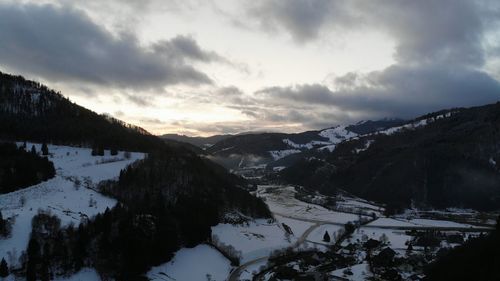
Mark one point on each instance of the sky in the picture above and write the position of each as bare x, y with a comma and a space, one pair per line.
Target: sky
204, 67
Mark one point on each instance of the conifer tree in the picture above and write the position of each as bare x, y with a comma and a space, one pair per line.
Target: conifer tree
100, 150
326, 237
2, 225
409, 249
4, 269
94, 150
45, 149
31, 271
33, 149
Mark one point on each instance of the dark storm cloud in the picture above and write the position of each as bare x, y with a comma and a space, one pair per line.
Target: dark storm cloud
184, 47
61, 44
396, 91
307, 94
424, 30
448, 31
439, 53
302, 18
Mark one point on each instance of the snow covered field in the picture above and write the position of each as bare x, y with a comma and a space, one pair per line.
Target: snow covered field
419, 223
318, 233
395, 238
200, 263
260, 237
61, 195
359, 204
281, 201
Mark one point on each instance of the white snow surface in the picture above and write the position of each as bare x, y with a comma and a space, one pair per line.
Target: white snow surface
278, 154
85, 274
259, 238
337, 134
397, 238
281, 201
334, 135
195, 264
59, 195
360, 272
317, 234
418, 223
414, 125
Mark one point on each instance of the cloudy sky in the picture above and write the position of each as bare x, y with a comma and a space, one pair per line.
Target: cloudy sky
202, 67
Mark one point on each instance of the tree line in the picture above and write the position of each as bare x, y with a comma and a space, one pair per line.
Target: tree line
20, 168
169, 200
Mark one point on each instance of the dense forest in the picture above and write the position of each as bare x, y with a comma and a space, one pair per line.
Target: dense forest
478, 259
167, 201
450, 162
20, 169
31, 111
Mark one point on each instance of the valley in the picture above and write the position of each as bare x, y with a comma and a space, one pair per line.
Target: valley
90, 197
299, 228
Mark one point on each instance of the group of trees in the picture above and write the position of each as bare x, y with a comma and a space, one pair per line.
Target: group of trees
450, 162
20, 169
4, 226
98, 150
477, 259
4, 269
29, 110
169, 200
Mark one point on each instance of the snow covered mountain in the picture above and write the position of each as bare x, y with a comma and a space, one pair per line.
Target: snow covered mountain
443, 159
113, 210
201, 142
268, 148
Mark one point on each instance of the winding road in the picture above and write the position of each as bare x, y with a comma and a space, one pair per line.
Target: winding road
235, 274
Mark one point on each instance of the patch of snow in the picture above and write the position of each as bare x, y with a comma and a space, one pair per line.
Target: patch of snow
253, 240
279, 168
414, 125
281, 200
418, 223
86, 274
337, 134
60, 195
330, 148
317, 234
278, 154
397, 238
200, 263
250, 271
359, 272
367, 145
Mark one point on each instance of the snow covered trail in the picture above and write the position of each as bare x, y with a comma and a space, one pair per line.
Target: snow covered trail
61, 195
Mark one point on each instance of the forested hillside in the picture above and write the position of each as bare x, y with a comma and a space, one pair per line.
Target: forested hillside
446, 159
478, 259
19, 168
31, 111
168, 200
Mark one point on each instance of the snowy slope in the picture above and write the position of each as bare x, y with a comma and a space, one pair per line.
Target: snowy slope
60, 195
260, 237
333, 137
200, 263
